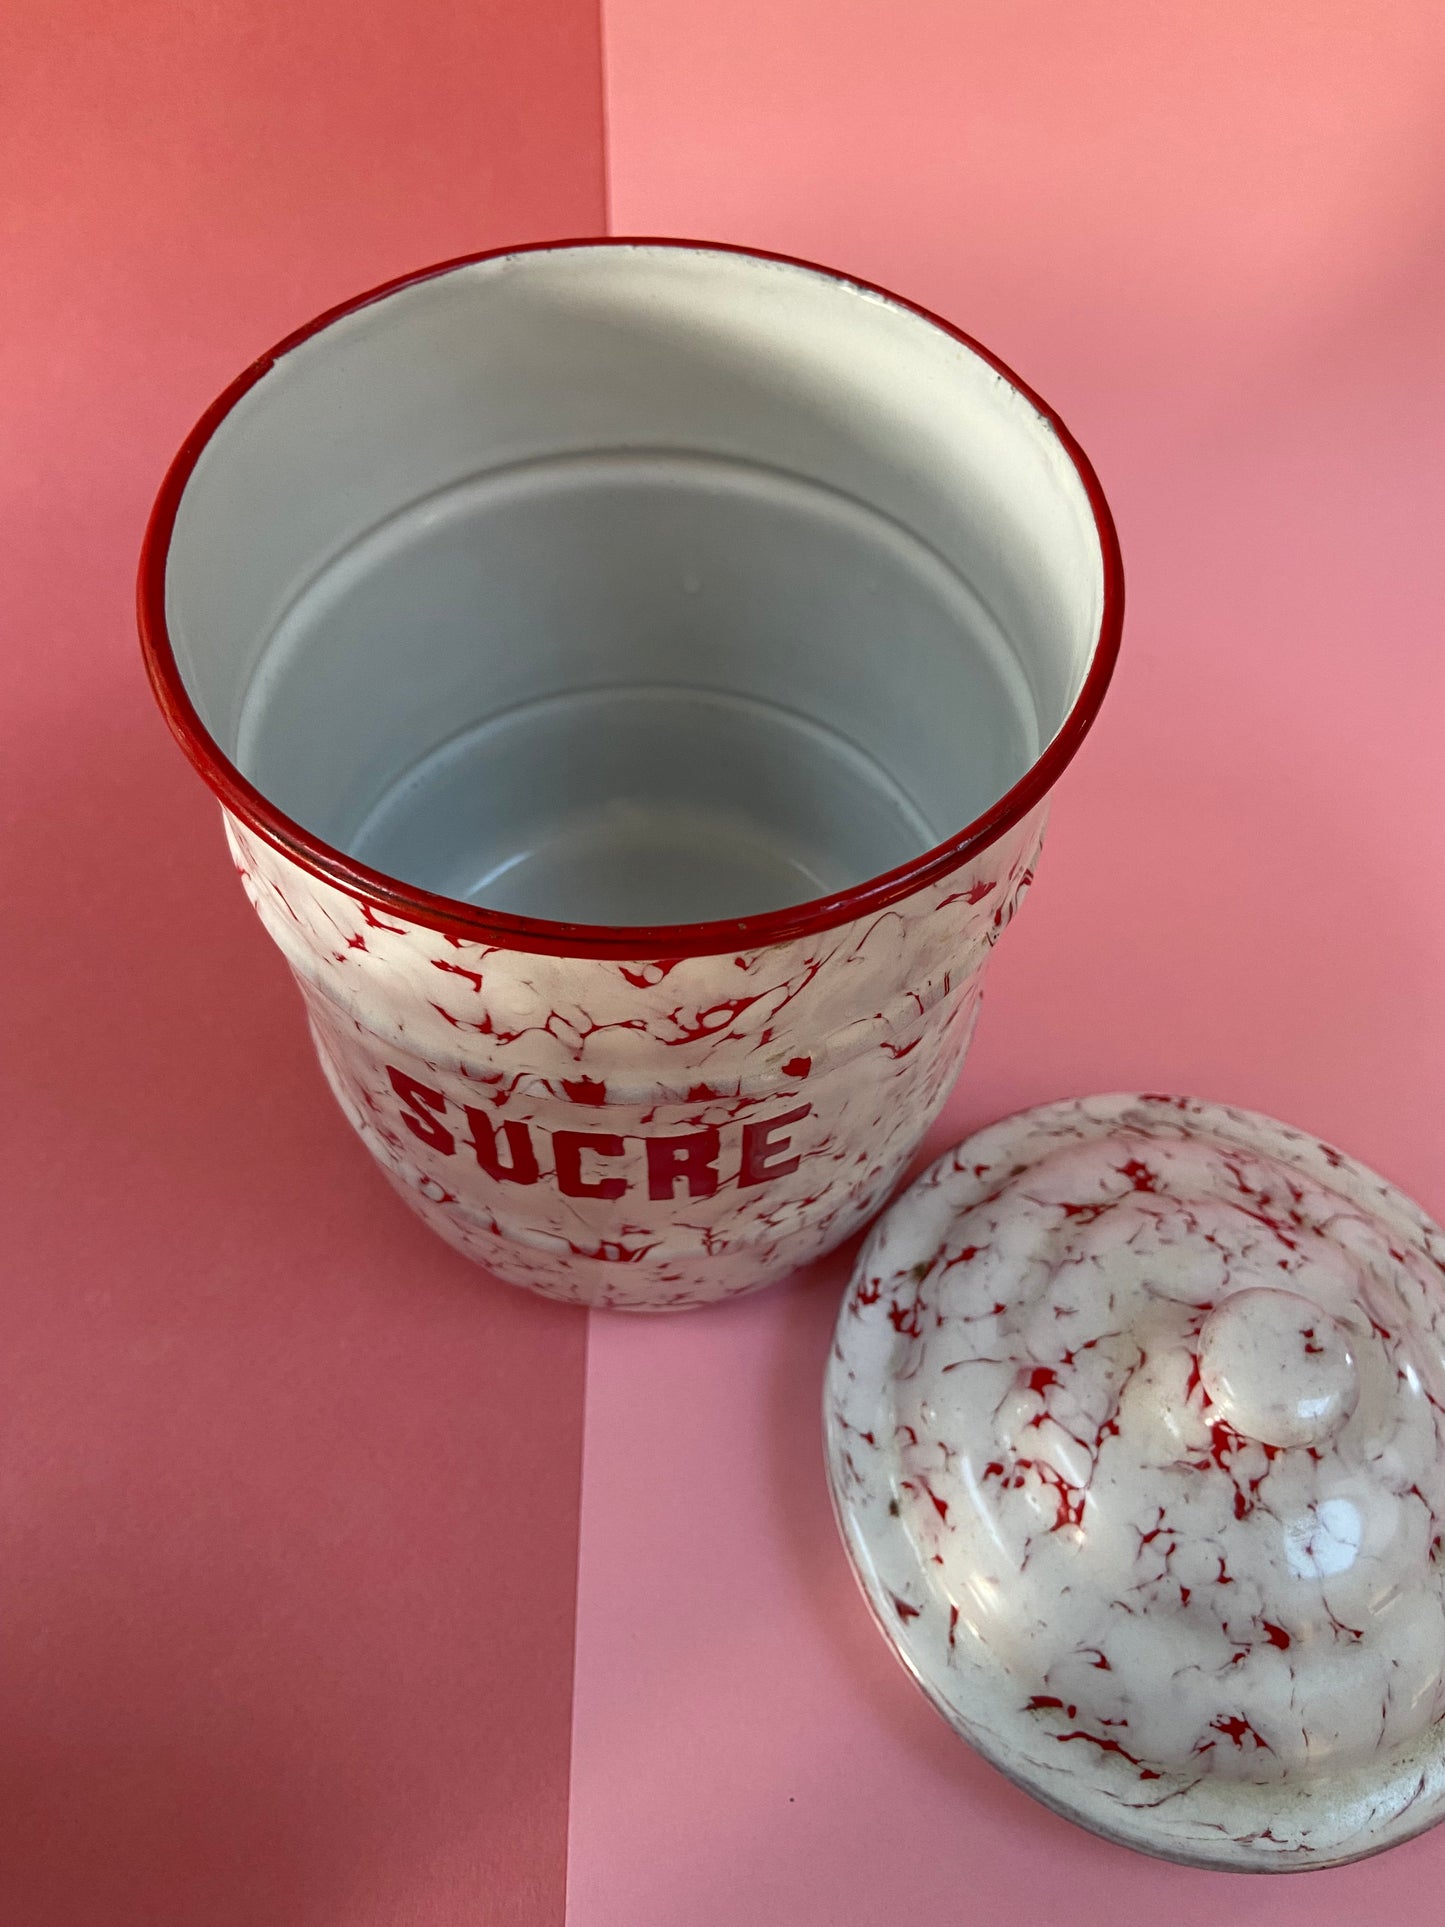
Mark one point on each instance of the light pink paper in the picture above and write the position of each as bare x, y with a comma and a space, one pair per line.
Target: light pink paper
1212, 238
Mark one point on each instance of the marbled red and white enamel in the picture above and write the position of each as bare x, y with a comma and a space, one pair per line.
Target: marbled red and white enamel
1134, 1431
819, 1062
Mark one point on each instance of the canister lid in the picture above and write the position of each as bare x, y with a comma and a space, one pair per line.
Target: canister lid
1134, 1431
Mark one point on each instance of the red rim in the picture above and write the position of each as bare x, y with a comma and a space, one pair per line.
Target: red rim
450, 914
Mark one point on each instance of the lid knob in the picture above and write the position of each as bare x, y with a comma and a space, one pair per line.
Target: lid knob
1278, 1368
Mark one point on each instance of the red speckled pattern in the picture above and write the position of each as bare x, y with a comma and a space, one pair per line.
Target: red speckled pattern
1135, 1430
644, 1135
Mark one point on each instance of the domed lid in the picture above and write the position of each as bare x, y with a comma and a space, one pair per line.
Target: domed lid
1134, 1429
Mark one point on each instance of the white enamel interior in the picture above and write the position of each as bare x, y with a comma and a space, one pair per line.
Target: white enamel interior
634, 584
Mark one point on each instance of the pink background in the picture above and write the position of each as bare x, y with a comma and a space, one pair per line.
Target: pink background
288, 1493
290, 1517
1214, 238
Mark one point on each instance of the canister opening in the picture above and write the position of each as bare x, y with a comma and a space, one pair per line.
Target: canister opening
640, 584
